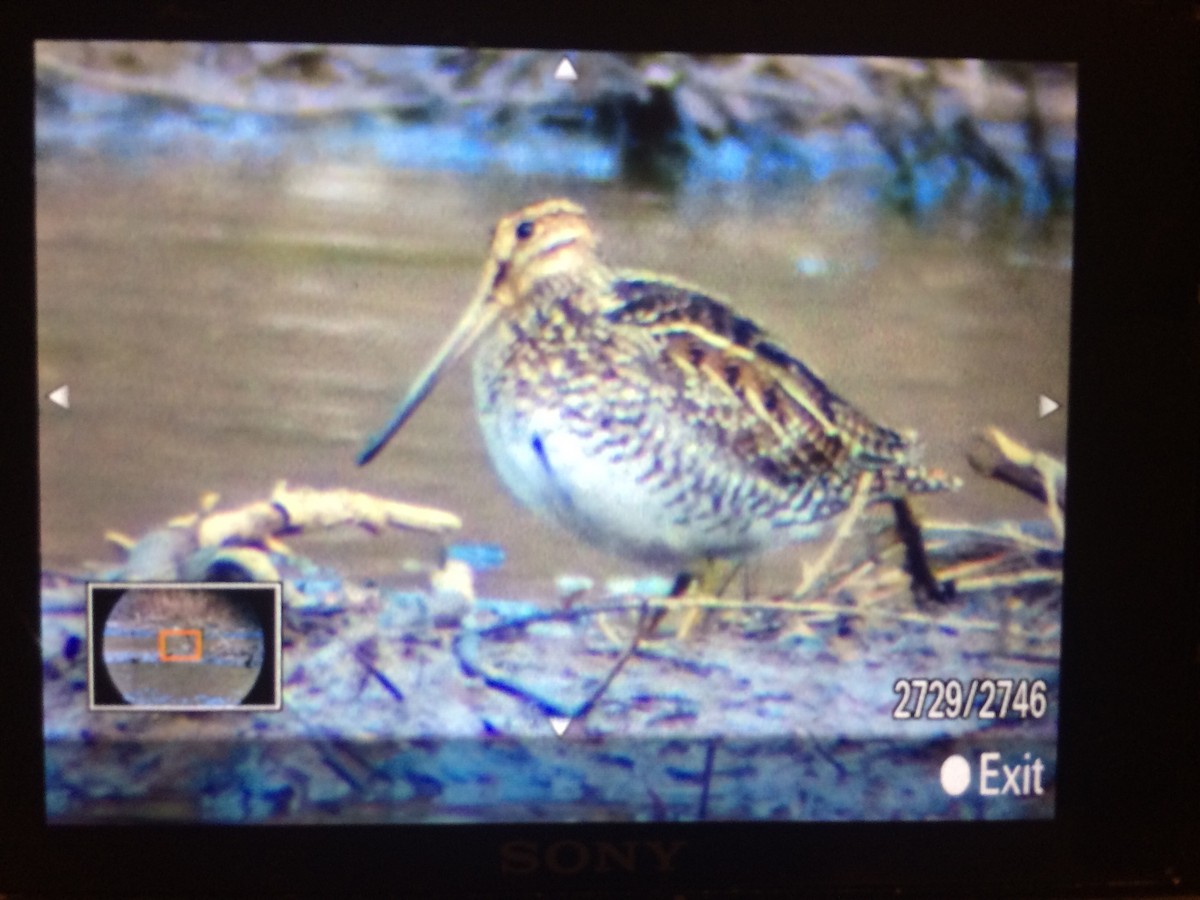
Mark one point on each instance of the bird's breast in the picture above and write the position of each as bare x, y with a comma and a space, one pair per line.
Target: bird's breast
588, 434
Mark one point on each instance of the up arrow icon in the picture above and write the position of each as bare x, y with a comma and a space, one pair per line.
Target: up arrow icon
566, 71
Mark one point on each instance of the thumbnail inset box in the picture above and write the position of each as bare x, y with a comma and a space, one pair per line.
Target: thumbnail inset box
196, 647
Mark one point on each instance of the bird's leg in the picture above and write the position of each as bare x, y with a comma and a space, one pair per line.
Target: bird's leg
812, 575
711, 580
925, 586
715, 576
683, 581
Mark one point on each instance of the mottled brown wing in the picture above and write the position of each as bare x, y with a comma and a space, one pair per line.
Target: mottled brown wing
804, 428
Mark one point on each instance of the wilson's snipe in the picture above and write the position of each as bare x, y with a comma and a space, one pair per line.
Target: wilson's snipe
648, 418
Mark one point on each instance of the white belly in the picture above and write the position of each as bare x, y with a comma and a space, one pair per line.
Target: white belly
613, 498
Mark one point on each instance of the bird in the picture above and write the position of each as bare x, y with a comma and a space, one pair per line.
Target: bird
647, 417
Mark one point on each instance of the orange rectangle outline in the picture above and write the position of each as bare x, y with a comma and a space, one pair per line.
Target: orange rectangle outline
164, 633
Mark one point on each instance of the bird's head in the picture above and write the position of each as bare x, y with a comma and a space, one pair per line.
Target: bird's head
537, 242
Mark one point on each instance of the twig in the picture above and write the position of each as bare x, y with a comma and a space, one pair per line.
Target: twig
638, 633
1038, 474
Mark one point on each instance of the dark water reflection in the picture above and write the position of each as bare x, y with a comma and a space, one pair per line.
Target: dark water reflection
223, 328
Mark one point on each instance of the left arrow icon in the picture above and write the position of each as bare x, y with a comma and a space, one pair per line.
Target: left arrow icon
61, 396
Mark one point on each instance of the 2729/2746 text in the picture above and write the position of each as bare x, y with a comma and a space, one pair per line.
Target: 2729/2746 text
983, 698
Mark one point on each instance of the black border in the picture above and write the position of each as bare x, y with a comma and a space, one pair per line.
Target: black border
1129, 760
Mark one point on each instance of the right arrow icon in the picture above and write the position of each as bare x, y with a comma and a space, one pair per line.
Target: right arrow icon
1046, 406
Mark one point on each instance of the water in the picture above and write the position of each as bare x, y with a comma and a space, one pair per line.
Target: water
225, 327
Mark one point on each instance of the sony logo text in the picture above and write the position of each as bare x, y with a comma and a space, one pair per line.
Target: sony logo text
568, 857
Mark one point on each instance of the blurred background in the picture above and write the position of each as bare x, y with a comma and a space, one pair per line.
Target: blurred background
921, 133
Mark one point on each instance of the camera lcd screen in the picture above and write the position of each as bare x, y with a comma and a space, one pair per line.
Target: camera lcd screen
724, 477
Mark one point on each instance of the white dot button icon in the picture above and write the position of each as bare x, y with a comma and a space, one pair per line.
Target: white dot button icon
956, 775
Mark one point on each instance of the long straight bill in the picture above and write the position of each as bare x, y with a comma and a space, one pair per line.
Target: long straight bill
475, 320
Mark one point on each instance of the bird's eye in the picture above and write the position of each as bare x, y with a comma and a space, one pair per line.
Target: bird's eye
524, 230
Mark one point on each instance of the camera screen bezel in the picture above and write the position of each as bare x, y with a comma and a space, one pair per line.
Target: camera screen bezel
1127, 780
